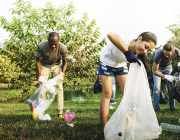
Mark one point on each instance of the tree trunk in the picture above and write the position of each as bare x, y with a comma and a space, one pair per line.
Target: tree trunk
8, 85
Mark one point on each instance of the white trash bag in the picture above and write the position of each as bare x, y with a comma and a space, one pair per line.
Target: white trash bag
135, 118
42, 98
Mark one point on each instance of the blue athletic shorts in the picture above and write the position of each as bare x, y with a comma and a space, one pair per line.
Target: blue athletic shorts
110, 71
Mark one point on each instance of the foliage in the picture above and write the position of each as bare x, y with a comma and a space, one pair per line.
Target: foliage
175, 29
150, 55
8, 71
31, 25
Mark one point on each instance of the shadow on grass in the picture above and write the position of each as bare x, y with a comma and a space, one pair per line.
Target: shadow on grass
24, 127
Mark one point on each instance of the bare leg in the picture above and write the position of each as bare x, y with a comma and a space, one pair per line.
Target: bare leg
106, 95
121, 79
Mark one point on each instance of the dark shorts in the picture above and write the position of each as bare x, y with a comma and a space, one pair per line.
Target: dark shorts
110, 71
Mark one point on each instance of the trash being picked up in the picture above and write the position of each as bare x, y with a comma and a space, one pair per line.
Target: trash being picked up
32, 104
69, 116
44, 117
42, 98
135, 118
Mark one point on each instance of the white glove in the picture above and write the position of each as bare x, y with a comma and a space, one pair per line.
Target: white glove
58, 78
169, 78
41, 79
179, 64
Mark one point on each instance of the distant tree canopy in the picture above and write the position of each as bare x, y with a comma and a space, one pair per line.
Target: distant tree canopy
175, 29
31, 25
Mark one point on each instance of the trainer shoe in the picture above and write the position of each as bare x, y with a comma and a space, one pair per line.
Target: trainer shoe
113, 102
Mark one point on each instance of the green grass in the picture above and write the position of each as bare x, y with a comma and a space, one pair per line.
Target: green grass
10, 93
17, 122
4, 93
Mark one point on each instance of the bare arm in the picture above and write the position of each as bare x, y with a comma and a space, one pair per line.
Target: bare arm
155, 70
64, 65
38, 65
116, 40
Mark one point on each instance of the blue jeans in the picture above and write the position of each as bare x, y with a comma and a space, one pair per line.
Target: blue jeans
157, 87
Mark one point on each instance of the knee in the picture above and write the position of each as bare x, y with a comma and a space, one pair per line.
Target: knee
107, 94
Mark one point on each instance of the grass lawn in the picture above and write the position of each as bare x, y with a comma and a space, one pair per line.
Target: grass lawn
17, 123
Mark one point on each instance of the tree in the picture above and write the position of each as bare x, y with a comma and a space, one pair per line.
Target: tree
175, 29
8, 71
31, 25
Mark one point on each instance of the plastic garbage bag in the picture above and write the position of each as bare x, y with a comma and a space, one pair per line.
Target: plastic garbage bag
135, 118
174, 86
42, 98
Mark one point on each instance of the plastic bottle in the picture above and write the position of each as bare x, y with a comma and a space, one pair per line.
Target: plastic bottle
169, 127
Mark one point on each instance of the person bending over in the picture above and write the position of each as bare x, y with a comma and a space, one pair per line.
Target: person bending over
48, 60
162, 68
113, 62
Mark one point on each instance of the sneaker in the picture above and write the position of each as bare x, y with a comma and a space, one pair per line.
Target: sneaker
113, 103
172, 109
60, 116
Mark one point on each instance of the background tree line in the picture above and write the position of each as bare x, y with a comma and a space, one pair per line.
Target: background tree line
31, 25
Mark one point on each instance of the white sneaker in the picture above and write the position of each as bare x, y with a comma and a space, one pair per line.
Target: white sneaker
113, 103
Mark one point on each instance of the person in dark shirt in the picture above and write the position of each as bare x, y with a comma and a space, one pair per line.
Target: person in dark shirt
48, 60
162, 68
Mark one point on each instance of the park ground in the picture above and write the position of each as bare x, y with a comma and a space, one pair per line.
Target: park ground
16, 121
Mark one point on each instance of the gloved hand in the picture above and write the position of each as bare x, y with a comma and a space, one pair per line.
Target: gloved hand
60, 76
131, 57
169, 78
41, 79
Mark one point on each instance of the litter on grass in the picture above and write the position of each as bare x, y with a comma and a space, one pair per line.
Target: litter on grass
69, 116
69, 124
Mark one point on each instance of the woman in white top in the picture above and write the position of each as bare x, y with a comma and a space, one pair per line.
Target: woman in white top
113, 62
